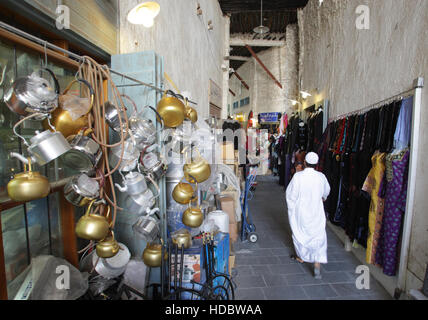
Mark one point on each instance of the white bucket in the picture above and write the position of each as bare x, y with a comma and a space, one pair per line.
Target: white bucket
221, 219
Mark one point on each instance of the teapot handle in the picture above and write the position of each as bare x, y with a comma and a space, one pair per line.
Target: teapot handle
134, 105
89, 207
86, 83
21, 122
57, 88
158, 116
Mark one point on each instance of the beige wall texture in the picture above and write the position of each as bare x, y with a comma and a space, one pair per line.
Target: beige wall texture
192, 54
94, 20
356, 68
265, 95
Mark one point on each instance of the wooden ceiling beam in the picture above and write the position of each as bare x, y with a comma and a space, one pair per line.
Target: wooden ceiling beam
256, 43
242, 80
263, 66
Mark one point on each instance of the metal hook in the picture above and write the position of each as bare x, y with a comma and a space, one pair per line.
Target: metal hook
46, 53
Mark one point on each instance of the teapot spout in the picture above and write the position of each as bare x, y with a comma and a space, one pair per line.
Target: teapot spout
121, 189
21, 158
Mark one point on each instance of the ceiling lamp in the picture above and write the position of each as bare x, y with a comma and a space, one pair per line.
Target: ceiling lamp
261, 29
305, 94
145, 14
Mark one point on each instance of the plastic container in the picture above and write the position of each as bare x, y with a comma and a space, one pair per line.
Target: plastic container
221, 219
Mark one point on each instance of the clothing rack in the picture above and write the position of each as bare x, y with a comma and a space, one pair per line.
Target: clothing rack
74, 56
376, 105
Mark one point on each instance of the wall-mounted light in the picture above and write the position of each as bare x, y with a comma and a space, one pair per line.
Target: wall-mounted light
321, 1
305, 94
199, 10
210, 25
294, 102
144, 13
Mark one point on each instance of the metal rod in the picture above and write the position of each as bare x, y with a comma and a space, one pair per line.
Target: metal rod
72, 55
413, 161
181, 267
263, 66
169, 269
175, 270
162, 280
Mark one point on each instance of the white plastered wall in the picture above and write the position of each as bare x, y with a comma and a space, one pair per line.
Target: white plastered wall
192, 54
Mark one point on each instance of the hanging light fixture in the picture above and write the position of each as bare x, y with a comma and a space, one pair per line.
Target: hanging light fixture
144, 13
305, 94
261, 29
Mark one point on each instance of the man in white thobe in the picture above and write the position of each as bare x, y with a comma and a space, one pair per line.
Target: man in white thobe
305, 195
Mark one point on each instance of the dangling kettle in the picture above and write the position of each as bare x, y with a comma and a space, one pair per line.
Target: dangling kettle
108, 247
183, 193
134, 183
152, 255
63, 121
193, 216
93, 226
171, 109
200, 169
28, 185
182, 238
191, 113
32, 94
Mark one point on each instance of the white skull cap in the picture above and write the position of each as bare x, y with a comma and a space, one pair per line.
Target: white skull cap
312, 158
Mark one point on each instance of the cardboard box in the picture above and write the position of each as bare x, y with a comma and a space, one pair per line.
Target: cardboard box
230, 192
231, 263
233, 232
228, 206
228, 152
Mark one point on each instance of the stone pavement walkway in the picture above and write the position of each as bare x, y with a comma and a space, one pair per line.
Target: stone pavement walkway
264, 270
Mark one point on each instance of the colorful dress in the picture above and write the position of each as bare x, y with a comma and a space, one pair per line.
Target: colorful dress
394, 191
372, 186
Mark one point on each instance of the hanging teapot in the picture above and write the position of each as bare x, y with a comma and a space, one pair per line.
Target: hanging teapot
171, 109
182, 238
85, 153
32, 94
183, 192
114, 117
93, 227
153, 166
199, 169
152, 255
147, 227
108, 247
129, 158
193, 216
139, 203
191, 113
28, 185
133, 183
63, 120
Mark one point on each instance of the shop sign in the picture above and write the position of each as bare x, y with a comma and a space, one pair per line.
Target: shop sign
269, 117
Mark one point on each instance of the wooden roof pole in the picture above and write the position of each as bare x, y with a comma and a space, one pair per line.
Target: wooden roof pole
242, 81
263, 66
233, 93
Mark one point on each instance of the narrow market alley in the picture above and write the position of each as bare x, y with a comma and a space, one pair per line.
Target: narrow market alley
264, 270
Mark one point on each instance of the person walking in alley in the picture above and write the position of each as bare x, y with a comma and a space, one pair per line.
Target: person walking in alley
305, 195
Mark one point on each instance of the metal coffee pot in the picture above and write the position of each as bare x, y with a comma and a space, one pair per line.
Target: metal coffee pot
130, 157
193, 217
147, 227
81, 190
182, 238
152, 255
153, 166
171, 109
108, 247
138, 204
198, 170
28, 185
93, 226
134, 183
61, 118
32, 94
85, 153
113, 117
183, 192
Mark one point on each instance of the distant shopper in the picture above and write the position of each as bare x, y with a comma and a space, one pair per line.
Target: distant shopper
305, 195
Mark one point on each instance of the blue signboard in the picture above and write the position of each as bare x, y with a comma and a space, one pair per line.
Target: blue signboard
269, 117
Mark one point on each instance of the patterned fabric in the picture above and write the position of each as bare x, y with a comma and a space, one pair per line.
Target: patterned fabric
394, 192
372, 186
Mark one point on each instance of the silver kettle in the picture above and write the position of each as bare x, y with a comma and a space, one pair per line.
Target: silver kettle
134, 183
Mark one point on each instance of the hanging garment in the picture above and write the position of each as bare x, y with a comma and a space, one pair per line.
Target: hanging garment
394, 191
303, 135
372, 186
304, 197
402, 133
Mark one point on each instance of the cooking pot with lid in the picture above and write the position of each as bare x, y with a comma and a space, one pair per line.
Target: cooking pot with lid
81, 190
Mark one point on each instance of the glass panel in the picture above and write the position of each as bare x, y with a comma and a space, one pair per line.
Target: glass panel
14, 242
38, 227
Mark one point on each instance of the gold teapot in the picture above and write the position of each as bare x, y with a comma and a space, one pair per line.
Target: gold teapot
61, 118
198, 170
171, 109
183, 239
108, 247
93, 227
152, 255
191, 113
193, 216
183, 192
28, 185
